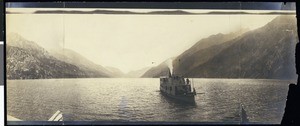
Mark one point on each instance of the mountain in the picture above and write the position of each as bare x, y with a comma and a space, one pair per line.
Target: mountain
72, 57
160, 70
191, 55
115, 72
266, 52
137, 73
28, 60
202, 51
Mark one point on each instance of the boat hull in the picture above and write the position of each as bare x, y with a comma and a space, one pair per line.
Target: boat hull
182, 98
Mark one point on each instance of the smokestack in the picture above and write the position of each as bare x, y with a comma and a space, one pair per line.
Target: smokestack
170, 65
170, 75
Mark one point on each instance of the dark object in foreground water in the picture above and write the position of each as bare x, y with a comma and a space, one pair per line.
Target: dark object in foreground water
244, 117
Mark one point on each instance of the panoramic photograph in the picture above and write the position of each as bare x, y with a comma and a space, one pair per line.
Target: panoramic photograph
149, 65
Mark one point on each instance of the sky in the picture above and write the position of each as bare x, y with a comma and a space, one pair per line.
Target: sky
126, 42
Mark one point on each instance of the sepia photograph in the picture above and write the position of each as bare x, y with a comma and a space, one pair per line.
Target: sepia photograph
149, 65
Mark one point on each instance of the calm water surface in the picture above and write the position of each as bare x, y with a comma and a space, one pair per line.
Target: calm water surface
138, 99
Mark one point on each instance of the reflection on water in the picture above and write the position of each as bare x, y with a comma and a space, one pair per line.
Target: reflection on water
125, 99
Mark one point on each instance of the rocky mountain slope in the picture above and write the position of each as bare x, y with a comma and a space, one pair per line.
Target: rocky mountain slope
267, 52
28, 60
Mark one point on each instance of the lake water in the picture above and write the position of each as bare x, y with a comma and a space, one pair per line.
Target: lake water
105, 99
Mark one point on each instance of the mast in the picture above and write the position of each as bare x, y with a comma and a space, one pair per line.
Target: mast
193, 85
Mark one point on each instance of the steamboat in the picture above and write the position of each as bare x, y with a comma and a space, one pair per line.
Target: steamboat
178, 88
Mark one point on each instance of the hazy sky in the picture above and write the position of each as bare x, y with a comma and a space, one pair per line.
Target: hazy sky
127, 42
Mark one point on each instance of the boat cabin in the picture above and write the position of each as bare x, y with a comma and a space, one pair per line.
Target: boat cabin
175, 85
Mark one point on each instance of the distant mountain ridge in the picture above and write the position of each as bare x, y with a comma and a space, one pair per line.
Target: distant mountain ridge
137, 73
115, 72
